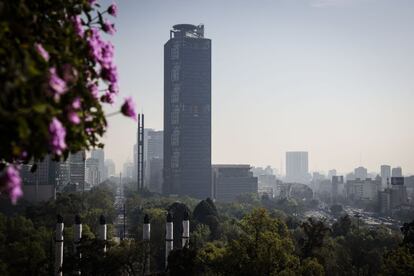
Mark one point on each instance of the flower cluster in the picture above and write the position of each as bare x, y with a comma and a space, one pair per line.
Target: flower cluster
57, 136
76, 75
128, 108
10, 183
57, 85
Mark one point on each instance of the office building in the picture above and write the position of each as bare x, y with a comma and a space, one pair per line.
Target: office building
110, 167
231, 181
297, 167
361, 173
393, 197
363, 189
99, 155
153, 149
332, 173
153, 160
92, 172
385, 175
337, 186
155, 175
39, 185
396, 172
128, 171
77, 169
398, 192
187, 112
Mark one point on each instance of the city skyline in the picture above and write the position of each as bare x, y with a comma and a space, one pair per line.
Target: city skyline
342, 94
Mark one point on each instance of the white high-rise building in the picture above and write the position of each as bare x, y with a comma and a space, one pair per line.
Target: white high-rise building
297, 167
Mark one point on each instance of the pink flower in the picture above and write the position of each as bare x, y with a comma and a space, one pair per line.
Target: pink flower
76, 104
41, 51
93, 89
57, 84
95, 44
77, 25
57, 136
107, 54
74, 118
108, 98
113, 10
110, 74
108, 27
11, 183
128, 108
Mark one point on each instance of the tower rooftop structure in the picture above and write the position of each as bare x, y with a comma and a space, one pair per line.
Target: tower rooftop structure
187, 30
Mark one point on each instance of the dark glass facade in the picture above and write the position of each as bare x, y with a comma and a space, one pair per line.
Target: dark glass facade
187, 112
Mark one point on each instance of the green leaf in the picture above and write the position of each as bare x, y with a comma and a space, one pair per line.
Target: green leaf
40, 107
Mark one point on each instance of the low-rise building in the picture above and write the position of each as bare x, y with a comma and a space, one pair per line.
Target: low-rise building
230, 181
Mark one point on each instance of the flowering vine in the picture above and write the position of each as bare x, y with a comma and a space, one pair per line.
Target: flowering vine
57, 72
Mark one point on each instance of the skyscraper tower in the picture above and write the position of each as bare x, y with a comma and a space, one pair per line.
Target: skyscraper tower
187, 112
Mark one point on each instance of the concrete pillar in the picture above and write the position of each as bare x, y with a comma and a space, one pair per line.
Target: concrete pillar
59, 246
186, 230
77, 235
169, 238
102, 231
147, 229
146, 237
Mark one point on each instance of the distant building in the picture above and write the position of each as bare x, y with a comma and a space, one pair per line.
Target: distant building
92, 172
393, 197
99, 155
155, 177
62, 174
360, 173
409, 184
52, 176
230, 181
363, 189
337, 186
398, 192
396, 172
187, 112
41, 184
154, 159
109, 168
332, 173
77, 169
350, 176
267, 180
297, 169
384, 198
385, 175
128, 170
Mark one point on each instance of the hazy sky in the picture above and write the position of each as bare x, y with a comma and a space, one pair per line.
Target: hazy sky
332, 77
